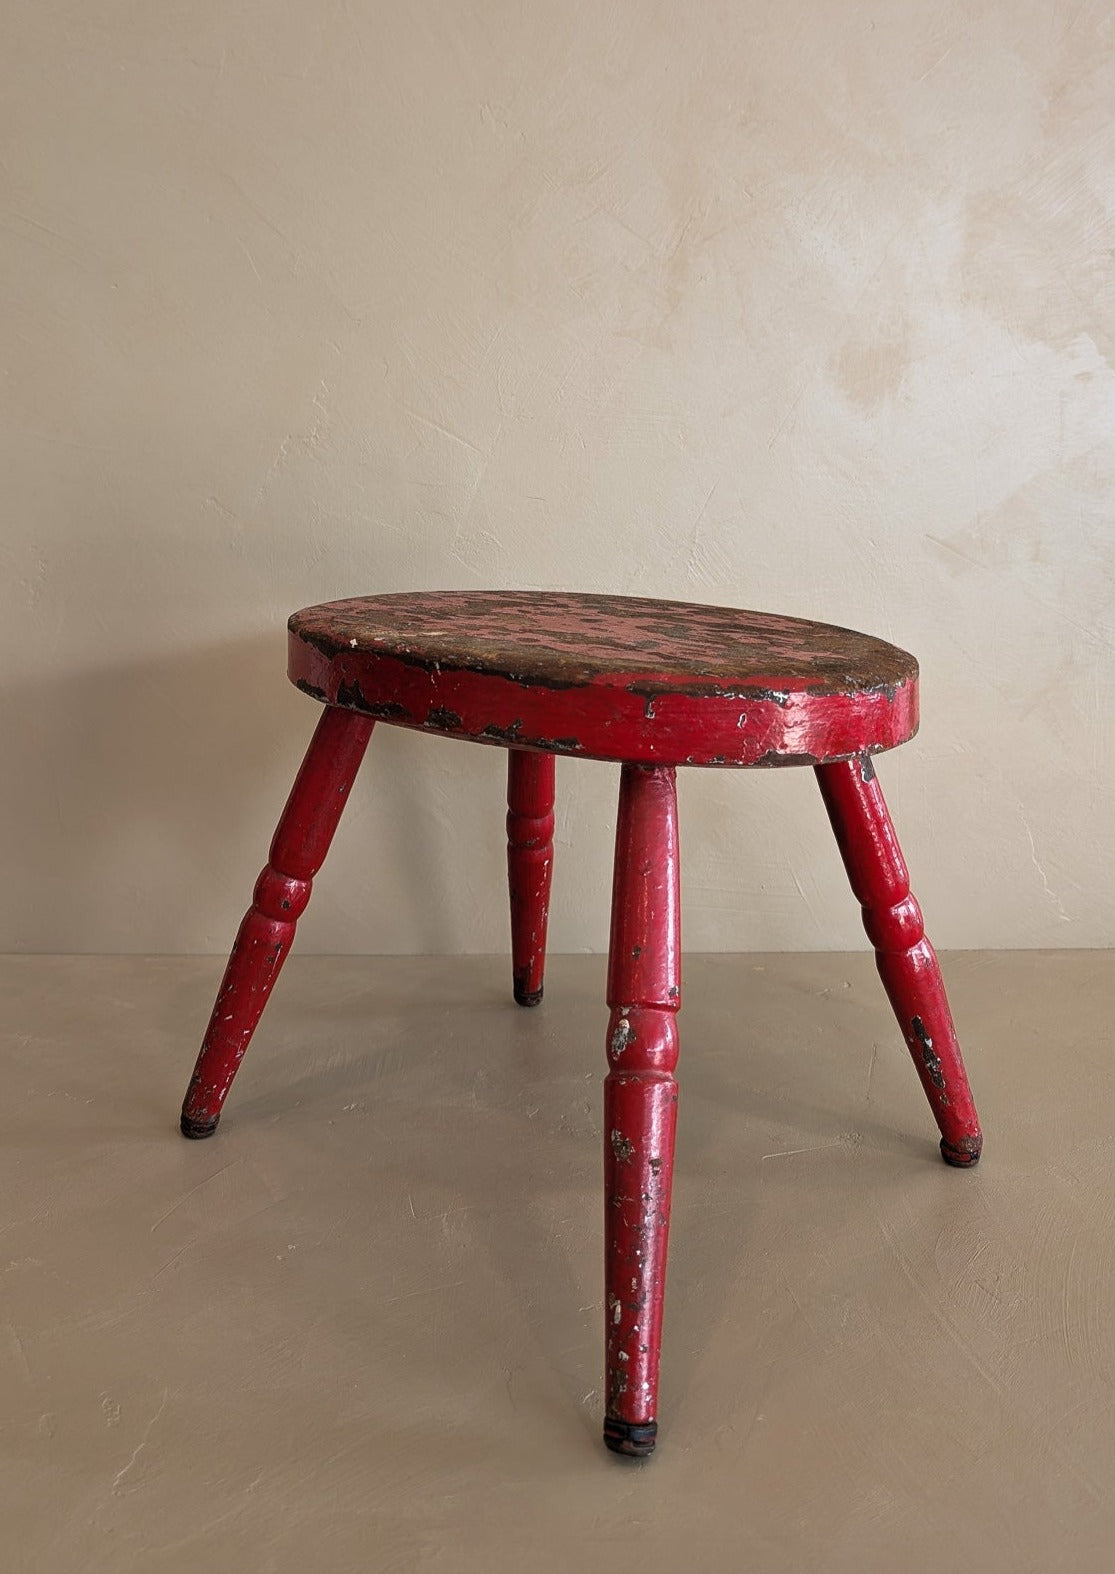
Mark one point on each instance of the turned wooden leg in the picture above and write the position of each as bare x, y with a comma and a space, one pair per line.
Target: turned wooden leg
530, 862
640, 1099
298, 850
907, 962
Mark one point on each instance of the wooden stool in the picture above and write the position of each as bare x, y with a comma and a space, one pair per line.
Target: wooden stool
651, 685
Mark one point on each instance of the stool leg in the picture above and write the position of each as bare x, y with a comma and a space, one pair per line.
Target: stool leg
907, 962
298, 850
640, 1099
530, 862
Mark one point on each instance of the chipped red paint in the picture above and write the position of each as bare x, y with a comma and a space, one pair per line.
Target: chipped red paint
640, 1098
298, 850
907, 962
530, 862
653, 685
609, 677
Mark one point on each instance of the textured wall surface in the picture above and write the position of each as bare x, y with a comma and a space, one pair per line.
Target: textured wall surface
806, 306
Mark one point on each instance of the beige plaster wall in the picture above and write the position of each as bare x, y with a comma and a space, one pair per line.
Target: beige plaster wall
803, 305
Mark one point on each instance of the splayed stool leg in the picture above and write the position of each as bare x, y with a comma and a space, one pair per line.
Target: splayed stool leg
907, 962
640, 1100
282, 891
530, 862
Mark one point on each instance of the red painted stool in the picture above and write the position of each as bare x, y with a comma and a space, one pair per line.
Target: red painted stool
651, 685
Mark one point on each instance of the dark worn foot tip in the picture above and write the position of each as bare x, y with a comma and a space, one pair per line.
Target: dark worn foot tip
196, 1129
965, 1156
636, 1439
528, 997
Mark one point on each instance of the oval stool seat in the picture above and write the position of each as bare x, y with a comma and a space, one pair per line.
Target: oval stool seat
609, 677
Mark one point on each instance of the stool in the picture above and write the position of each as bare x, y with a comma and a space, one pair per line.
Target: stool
652, 685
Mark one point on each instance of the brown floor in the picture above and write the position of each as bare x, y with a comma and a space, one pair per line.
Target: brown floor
360, 1328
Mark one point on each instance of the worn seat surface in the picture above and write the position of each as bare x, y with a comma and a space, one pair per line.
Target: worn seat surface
609, 677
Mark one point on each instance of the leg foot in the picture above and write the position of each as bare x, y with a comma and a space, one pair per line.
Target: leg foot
298, 850
196, 1129
530, 862
964, 1157
907, 962
640, 1099
630, 1438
